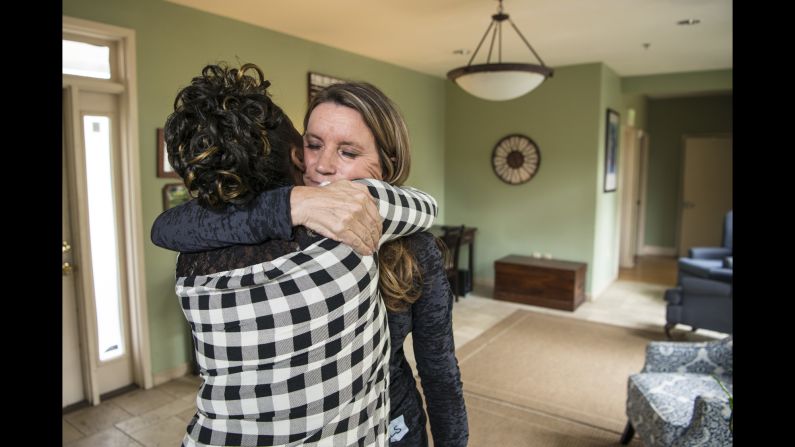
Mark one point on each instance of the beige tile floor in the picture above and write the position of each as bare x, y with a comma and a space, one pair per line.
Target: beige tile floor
158, 417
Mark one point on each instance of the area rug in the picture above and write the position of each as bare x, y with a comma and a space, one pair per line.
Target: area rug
498, 423
549, 380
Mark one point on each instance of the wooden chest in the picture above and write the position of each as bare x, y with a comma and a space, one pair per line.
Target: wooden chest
540, 282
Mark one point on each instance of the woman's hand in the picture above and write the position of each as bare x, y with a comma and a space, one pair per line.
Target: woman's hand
343, 211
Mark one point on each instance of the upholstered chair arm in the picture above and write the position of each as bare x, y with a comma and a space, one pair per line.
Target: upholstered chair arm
722, 274
706, 287
710, 423
713, 357
673, 295
709, 252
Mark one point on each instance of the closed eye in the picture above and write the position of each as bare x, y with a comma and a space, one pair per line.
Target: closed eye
349, 154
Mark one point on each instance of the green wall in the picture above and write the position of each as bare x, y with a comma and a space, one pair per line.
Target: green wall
638, 89
604, 264
678, 84
669, 120
555, 211
639, 104
173, 44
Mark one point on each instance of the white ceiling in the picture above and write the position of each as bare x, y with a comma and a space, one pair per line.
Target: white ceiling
422, 34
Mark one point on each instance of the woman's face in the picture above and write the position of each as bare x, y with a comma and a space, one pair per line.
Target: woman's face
338, 145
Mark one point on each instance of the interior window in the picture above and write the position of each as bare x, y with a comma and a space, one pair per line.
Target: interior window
85, 59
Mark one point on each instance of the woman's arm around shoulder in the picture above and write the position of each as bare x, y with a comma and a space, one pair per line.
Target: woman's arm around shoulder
405, 210
190, 227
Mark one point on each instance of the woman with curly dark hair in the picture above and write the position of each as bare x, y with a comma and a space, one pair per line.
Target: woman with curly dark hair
227, 139
354, 131
289, 334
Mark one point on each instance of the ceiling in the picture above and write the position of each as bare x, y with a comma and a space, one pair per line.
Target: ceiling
422, 35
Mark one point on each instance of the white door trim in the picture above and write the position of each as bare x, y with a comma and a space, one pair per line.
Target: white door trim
628, 184
133, 236
643, 191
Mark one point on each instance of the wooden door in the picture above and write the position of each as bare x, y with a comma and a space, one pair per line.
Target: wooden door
706, 191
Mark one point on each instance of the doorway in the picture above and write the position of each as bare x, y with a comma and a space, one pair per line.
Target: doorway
105, 331
706, 190
633, 155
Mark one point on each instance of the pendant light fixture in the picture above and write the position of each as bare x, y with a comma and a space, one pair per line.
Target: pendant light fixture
499, 81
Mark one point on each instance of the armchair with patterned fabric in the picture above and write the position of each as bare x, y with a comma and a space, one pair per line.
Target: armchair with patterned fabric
676, 400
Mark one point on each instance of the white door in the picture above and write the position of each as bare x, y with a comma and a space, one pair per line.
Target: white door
706, 191
104, 210
72, 373
101, 264
101, 142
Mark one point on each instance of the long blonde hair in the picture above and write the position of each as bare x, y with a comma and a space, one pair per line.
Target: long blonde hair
399, 274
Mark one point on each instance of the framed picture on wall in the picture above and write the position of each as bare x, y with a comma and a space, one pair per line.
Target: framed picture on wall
611, 150
164, 169
174, 194
317, 81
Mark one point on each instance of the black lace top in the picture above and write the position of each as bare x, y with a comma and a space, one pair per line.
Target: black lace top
430, 322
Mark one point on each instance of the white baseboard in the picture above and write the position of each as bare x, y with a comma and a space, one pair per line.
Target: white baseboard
595, 294
590, 297
658, 251
488, 283
170, 374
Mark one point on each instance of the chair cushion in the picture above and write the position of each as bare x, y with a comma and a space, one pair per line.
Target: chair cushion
699, 267
660, 405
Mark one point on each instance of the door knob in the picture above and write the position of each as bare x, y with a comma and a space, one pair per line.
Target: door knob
66, 247
67, 268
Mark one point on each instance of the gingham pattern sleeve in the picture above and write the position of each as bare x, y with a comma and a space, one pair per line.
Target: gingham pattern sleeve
405, 210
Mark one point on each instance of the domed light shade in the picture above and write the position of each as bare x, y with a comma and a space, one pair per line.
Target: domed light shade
499, 81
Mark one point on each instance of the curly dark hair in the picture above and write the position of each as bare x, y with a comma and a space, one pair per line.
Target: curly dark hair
227, 139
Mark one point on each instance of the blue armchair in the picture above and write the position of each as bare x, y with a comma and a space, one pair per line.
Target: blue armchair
711, 262
676, 401
701, 304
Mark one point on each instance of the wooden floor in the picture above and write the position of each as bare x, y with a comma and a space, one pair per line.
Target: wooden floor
651, 269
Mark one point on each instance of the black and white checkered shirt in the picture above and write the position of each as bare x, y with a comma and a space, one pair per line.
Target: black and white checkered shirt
295, 351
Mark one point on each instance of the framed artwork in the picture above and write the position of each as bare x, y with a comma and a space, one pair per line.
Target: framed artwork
174, 194
317, 81
611, 150
164, 169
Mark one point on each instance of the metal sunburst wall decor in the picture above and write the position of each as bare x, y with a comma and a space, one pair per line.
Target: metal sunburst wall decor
516, 159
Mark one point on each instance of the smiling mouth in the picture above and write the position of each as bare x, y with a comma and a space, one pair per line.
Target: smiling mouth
310, 182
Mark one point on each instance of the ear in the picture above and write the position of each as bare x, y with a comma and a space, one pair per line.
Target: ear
297, 157
297, 165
